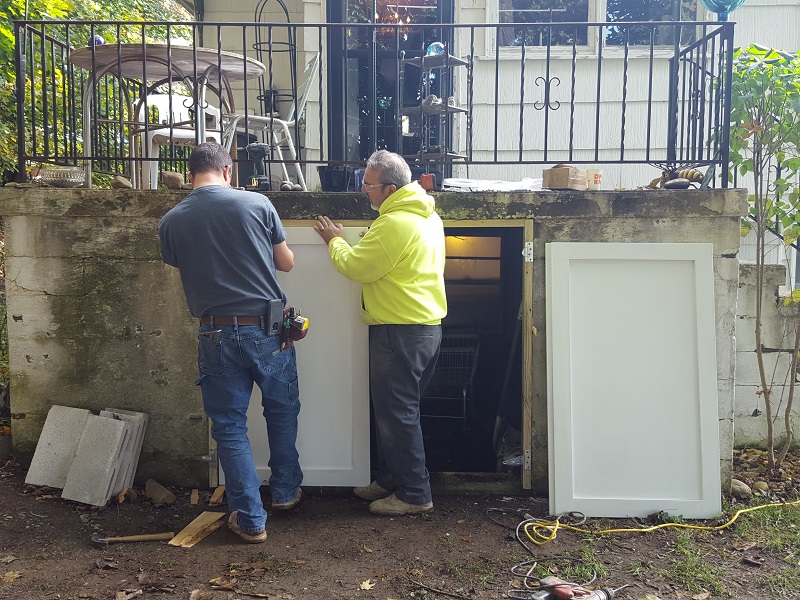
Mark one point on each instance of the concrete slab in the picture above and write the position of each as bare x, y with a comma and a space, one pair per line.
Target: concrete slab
132, 450
94, 469
57, 445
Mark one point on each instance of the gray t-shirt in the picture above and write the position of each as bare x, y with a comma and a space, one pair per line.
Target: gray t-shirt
221, 240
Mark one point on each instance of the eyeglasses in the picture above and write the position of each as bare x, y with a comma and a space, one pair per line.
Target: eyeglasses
368, 187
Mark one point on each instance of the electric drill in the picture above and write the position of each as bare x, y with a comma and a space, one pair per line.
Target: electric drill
558, 588
258, 152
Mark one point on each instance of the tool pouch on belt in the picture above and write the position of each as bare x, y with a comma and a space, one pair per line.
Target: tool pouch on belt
294, 327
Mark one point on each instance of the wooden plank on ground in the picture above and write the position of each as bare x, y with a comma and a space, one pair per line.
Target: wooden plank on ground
216, 497
194, 499
205, 524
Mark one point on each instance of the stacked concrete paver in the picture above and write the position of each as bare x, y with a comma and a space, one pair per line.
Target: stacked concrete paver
91, 457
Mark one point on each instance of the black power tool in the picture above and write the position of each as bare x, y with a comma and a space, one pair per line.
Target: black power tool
258, 152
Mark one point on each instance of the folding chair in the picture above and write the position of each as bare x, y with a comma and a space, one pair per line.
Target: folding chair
276, 131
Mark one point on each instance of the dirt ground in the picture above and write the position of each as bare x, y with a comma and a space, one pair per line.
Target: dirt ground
331, 547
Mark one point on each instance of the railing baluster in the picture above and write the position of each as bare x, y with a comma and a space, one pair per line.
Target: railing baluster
574, 67
522, 94
624, 96
600, 40
650, 93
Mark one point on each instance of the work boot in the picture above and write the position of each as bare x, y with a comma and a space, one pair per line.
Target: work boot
392, 506
373, 491
291, 503
251, 538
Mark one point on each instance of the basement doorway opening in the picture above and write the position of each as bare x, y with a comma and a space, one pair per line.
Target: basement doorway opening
472, 409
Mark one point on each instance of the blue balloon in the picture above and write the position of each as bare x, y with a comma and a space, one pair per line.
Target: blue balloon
435, 49
96, 41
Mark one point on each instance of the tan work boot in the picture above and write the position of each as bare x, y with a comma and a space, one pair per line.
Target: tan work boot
251, 538
298, 495
371, 492
392, 506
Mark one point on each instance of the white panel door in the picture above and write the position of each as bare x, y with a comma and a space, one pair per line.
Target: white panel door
333, 370
632, 395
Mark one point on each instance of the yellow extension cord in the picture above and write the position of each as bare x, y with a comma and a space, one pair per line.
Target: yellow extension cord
542, 532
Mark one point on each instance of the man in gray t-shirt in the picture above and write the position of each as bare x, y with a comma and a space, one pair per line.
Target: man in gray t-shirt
228, 245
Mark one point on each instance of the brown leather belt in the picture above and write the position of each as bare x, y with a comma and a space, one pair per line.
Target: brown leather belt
214, 320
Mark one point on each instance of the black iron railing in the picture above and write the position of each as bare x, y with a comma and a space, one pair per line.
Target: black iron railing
449, 97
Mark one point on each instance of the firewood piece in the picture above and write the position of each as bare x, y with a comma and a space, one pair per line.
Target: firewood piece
216, 497
205, 524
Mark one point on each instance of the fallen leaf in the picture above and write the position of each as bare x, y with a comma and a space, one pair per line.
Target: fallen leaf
226, 583
366, 549
367, 585
8, 558
13, 575
466, 538
701, 596
460, 521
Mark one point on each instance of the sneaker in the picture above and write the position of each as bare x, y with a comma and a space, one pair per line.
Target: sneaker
251, 538
392, 506
291, 503
371, 492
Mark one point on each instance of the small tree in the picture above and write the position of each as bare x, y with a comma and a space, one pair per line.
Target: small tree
765, 137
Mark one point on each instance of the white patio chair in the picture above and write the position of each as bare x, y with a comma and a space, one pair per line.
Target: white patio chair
276, 130
170, 123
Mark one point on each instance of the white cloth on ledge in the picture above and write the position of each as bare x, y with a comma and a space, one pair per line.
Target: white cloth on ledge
527, 184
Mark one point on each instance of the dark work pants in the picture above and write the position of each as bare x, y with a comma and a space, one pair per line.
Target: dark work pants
402, 359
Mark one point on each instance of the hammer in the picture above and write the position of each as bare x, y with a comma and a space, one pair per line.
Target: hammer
144, 537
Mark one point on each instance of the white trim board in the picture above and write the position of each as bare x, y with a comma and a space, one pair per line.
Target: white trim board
631, 364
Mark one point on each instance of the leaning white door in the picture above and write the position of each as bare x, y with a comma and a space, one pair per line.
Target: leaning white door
333, 370
632, 395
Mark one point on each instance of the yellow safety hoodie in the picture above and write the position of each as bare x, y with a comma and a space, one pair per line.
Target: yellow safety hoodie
400, 261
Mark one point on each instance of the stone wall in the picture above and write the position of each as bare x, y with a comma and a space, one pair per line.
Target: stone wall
96, 320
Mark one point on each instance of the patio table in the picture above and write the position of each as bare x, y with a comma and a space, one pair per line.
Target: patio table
155, 64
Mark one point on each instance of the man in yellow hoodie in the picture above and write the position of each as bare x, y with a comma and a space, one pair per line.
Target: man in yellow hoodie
400, 262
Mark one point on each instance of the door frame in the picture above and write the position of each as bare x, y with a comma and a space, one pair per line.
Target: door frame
336, 12
528, 331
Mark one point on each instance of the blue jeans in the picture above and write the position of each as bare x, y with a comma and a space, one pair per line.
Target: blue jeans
402, 359
228, 368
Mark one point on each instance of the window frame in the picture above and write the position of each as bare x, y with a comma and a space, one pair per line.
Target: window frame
589, 50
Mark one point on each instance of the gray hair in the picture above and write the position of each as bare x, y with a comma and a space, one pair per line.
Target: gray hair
393, 168
209, 157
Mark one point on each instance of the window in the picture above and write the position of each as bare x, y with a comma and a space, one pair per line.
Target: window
543, 17
543, 11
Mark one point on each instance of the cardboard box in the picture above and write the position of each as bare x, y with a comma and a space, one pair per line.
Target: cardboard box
564, 177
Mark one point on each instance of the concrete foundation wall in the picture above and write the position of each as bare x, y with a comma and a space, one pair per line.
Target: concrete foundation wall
96, 320
777, 331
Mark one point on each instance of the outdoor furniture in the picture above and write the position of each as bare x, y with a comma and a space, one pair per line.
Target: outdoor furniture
173, 125
274, 130
154, 65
